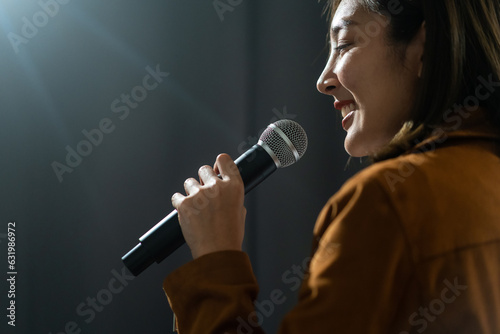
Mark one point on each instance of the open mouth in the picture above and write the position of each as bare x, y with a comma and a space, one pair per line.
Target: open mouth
347, 109
348, 112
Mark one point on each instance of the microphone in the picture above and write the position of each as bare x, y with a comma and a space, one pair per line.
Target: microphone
281, 144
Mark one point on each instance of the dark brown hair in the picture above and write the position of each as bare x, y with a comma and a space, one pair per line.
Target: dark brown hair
462, 53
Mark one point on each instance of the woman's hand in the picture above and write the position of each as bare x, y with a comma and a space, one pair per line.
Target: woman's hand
212, 214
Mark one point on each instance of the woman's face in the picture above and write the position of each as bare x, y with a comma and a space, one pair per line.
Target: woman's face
373, 87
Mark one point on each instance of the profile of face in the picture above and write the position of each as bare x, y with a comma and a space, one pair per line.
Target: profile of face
373, 86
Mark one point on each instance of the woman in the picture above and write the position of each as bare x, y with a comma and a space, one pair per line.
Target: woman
412, 243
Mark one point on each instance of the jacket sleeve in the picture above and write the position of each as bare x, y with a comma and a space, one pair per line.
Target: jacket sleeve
213, 294
357, 275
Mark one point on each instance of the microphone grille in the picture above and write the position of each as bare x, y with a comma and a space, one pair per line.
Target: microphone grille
287, 140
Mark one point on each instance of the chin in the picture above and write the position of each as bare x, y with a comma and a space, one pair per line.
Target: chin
355, 151
355, 154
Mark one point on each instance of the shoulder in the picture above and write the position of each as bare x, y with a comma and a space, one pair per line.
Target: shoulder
385, 197
404, 188
432, 197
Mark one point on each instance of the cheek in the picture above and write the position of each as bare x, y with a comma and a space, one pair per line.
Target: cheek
366, 75
350, 74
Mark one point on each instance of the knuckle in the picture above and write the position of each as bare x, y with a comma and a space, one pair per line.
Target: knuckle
184, 205
236, 183
201, 202
212, 191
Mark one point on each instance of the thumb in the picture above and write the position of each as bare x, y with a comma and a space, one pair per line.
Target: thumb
226, 167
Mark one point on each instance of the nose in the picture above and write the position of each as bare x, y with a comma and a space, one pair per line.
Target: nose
327, 81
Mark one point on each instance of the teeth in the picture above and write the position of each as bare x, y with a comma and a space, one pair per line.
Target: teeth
347, 109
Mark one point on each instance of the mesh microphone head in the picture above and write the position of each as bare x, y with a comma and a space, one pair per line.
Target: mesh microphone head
285, 141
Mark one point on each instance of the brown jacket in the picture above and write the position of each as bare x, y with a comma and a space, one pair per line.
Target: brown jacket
408, 245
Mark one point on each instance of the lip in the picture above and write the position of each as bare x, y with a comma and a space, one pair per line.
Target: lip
340, 104
348, 119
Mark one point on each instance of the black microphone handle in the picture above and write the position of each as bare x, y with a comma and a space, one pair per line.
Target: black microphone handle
255, 165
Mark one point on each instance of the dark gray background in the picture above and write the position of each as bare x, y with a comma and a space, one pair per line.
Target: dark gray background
228, 79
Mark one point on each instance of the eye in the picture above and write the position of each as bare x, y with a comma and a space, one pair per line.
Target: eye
342, 47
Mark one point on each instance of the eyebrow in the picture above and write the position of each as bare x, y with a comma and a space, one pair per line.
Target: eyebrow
344, 24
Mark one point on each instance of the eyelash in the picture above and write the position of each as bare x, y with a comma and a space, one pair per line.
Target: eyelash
342, 47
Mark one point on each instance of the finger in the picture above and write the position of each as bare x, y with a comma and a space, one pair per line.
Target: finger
207, 175
177, 198
216, 168
191, 186
226, 167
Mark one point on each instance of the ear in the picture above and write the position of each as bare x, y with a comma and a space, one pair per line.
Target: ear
415, 52
420, 48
